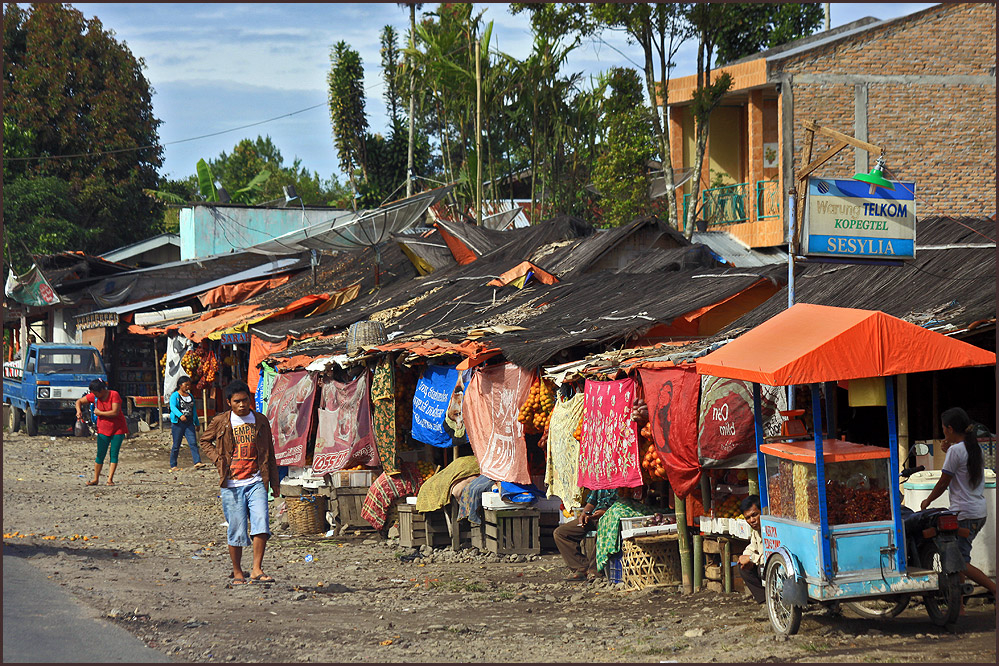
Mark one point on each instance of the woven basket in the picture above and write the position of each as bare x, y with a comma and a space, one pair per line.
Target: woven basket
648, 561
365, 334
307, 514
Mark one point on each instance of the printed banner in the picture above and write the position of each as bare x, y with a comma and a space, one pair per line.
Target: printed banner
344, 438
671, 395
177, 346
433, 393
608, 453
492, 400
31, 288
727, 429
290, 414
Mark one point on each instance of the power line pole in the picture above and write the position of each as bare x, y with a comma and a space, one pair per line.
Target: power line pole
412, 97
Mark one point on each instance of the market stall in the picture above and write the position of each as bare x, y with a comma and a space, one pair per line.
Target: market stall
832, 515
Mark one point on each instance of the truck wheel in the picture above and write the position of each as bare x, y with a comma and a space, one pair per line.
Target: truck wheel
15, 419
30, 422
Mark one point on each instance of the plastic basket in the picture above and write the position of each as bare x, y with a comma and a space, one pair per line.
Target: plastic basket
615, 568
307, 514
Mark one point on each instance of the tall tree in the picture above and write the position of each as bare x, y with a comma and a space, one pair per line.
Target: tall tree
346, 100
413, 8
390, 72
752, 27
71, 88
621, 169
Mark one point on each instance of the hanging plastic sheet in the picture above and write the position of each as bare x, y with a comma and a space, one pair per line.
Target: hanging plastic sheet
290, 414
265, 384
671, 395
608, 453
727, 428
433, 393
490, 407
344, 436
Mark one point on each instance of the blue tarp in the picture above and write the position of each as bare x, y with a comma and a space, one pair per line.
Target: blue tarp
433, 393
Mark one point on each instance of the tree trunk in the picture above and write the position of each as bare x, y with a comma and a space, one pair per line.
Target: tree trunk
412, 100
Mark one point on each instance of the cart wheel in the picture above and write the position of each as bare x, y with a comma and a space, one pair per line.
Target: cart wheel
30, 422
943, 604
785, 618
879, 608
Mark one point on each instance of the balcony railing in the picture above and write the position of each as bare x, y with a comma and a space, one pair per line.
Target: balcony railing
732, 204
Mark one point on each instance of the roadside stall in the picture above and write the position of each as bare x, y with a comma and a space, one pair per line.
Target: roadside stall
832, 516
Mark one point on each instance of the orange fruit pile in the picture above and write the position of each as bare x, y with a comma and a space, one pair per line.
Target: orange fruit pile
536, 412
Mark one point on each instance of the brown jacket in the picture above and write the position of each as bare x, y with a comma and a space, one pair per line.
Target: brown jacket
218, 443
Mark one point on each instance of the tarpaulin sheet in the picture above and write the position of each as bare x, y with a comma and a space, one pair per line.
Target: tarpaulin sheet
290, 414
727, 426
259, 350
492, 402
344, 437
177, 346
808, 343
516, 274
265, 382
608, 452
433, 393
230, 294
671, 395
462, 254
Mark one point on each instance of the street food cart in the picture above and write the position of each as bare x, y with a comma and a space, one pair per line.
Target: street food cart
832, 521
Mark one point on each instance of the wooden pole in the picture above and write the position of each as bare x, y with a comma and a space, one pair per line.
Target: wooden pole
159, 386
478, 136
698, 560
684, 543
727, 565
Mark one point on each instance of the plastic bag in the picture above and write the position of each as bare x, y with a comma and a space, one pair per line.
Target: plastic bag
81, 429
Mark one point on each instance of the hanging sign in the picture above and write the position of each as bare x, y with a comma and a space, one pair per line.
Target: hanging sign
235, 338
843, 219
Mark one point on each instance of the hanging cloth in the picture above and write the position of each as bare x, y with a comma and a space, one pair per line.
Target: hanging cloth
608, 454
562, 452
671, 395
433, 393
383, 413
344, 438
290, 414
490, 408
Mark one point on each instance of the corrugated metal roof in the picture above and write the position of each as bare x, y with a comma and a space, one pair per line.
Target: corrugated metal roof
735, 253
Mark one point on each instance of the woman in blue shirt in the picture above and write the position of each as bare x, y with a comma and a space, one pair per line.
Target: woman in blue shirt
184, 420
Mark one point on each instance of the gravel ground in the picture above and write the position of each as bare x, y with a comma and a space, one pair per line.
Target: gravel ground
154, 560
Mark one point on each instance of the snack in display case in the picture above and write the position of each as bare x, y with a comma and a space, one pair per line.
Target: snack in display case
857, 483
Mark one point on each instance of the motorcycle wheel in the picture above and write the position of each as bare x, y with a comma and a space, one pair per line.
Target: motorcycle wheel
879, 608
785, 618
943, 604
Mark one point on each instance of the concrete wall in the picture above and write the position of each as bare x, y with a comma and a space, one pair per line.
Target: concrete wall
211, 229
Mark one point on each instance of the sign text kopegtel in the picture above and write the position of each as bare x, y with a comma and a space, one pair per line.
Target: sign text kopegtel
843, 219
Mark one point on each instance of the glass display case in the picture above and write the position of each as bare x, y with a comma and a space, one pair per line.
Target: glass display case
856, 480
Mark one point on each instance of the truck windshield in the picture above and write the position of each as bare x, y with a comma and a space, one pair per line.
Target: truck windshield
69, 361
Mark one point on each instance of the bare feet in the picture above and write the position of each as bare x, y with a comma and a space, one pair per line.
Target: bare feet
109, 482
92, 482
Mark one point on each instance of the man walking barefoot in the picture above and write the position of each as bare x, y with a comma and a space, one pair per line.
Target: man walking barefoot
239, 443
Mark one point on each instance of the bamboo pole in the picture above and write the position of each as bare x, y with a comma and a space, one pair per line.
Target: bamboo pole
684, 544
727, 564
478, 135
159, 386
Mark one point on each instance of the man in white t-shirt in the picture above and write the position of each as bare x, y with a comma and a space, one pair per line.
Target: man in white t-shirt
239, 443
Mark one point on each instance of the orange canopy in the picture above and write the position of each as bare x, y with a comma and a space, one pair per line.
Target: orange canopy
808, 343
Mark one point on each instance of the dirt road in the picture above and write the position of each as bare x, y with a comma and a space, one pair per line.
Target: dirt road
154, 559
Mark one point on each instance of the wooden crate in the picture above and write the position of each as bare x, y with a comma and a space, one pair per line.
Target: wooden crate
512, 531
411, 531
348, 507
651, 560
548, 522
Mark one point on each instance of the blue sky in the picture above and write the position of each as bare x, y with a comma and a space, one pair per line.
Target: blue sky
215, 67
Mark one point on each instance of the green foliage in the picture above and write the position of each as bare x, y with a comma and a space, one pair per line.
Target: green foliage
346, 100
621, 169
206, 182
71, 88
390, 72
750, 28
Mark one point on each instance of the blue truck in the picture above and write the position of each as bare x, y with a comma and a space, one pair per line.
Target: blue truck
47, 381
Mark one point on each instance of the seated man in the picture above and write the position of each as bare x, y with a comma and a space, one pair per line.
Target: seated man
752, 558
569, 536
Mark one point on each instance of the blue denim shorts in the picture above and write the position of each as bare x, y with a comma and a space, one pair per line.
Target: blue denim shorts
973, 526
243, 506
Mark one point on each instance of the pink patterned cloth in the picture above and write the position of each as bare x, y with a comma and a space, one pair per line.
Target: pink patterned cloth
290, 413
344, 437
608, 453
492, 403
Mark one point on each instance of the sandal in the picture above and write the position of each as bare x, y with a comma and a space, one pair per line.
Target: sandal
239, 581
174, 469
578, 575
109, 483
92, 483
262, 578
